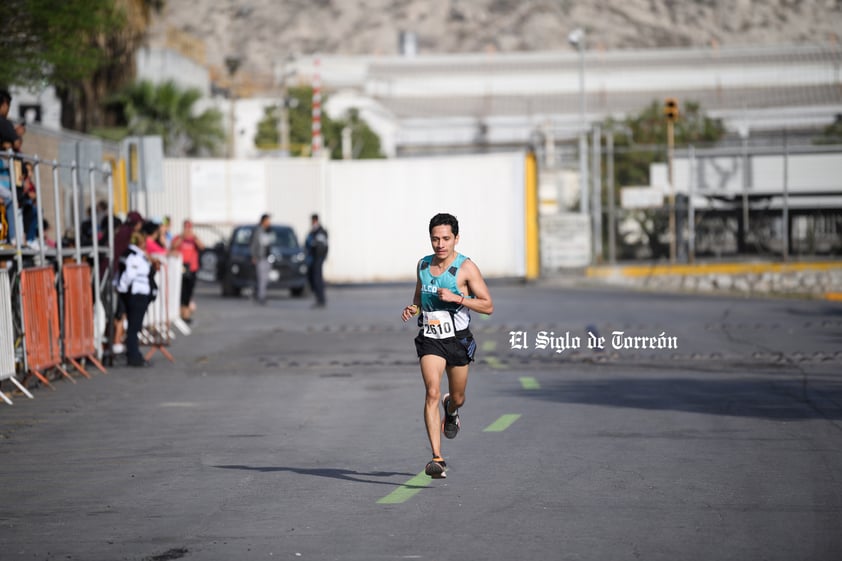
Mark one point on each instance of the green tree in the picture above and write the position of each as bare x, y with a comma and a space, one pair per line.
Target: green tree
641, 140
832, 134
84, 48
168, 111
365, 144
365, 141
267, 136
47, 41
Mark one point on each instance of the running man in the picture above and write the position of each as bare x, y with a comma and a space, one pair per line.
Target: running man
449, 286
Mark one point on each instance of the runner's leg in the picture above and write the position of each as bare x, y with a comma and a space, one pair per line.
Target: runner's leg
457, 382
432, 368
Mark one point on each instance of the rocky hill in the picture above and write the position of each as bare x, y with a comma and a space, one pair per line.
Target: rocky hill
263, 31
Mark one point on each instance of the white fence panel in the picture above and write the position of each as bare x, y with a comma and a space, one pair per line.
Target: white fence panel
7, 334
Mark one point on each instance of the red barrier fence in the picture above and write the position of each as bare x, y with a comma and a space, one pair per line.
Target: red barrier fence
79, 337
40, 321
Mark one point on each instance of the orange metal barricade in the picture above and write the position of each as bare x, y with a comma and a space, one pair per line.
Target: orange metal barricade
79, 338
40, 320
157, 330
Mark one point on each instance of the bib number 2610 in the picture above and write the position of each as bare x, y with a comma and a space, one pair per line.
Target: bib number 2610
438, 325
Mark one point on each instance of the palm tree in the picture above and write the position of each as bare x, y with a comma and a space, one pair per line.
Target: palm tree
168, 111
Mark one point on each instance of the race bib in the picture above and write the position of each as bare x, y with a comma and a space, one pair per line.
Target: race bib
438, 325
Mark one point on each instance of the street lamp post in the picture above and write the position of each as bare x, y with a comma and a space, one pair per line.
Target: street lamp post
232, 63
286, 103
577, 39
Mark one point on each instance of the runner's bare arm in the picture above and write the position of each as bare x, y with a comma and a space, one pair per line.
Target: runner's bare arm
471, 282
413, 308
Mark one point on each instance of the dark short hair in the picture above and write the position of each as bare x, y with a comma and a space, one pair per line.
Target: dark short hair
150, 227
314, 216
444, 219
263, 217
5, 96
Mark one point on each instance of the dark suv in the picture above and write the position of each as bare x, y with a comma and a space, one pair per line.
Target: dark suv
236, 271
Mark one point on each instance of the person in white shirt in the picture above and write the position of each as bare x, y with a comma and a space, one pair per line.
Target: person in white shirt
137, 288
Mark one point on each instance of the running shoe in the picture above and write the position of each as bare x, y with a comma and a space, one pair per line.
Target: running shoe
450, 426
436, 468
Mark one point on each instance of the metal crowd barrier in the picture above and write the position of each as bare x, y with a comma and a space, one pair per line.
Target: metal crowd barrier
175, 266
79, 327
157, 329
40, 323
66, 302
7, 338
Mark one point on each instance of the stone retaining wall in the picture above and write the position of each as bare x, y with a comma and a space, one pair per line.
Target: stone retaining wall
772, 280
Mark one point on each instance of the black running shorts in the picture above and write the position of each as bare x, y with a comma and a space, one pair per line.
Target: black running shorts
456, 351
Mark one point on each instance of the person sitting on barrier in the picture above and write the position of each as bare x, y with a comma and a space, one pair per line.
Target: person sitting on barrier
48, 239
9, 139
135, 284
29, 206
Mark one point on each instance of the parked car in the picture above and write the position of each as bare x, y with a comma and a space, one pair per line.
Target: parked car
230, 263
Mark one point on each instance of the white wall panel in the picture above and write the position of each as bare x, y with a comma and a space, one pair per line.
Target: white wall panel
378, 214
376, 211
295, 190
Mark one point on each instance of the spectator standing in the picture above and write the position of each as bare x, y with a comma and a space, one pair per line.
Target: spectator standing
190, 247
123, 235
316, 246
86, 228
165, 236
122, 240
136, 286
154, 247
261, 241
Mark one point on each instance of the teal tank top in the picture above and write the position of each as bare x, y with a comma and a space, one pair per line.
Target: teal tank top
430, 285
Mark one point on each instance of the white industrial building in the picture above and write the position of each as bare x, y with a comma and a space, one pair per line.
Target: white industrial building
466, 103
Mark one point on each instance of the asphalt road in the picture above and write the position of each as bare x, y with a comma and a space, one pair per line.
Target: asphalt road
282, 432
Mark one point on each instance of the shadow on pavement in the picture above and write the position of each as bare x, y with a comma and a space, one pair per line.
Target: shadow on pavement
332, 473
742, 397
824, 312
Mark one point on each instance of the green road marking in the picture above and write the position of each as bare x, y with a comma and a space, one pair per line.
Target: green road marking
489, 346
407, 490
501, 424
529, 383
494, 362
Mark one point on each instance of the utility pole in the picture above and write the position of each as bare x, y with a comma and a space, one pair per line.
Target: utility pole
609, 185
